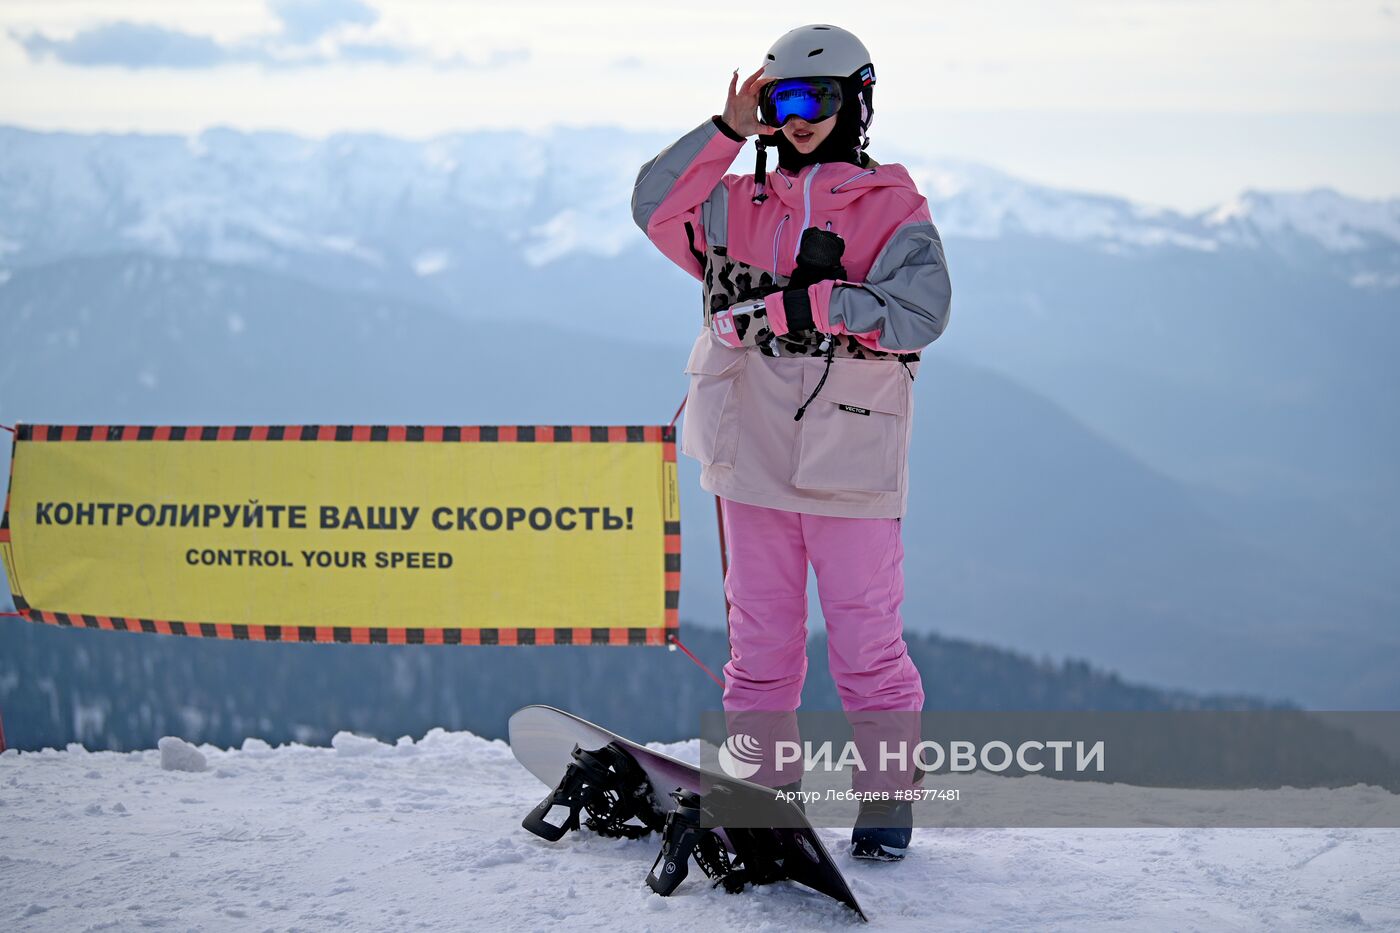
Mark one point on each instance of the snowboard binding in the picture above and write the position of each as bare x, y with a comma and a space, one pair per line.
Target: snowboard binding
684, 838
609, 787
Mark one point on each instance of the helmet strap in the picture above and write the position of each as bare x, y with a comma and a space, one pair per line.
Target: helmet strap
760, 171
864, 122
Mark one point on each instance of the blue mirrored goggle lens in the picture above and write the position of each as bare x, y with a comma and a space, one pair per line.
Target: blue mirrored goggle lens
810, 99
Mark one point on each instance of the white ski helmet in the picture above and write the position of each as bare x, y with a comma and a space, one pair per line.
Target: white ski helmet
823, 50
817, 50
813, 51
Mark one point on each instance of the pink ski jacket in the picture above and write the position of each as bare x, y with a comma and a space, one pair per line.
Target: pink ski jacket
750, 373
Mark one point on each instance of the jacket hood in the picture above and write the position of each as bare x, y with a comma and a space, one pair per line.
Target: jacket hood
836, 184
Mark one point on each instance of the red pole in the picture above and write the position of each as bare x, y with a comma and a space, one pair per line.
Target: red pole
2, 733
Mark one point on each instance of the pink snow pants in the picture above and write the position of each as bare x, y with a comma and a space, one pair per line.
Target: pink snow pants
860, 580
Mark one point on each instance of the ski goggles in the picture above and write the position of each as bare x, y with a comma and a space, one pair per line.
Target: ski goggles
812, 99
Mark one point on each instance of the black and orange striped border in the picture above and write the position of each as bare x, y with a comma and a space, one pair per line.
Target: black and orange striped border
595, 434
467, 434
359, 635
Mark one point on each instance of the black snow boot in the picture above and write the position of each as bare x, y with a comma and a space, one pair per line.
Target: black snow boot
883, 830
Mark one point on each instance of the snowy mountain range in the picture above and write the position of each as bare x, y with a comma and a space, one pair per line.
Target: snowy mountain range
980, 203
1161, 442
390, 209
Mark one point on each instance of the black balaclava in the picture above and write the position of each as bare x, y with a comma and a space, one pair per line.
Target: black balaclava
842, 144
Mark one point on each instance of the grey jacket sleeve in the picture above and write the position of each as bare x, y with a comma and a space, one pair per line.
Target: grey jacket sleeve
681, 188
905, 301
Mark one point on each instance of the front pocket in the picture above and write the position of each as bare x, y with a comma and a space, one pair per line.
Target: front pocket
710, 432
853, 434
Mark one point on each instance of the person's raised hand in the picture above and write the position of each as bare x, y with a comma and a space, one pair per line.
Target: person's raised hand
741, 110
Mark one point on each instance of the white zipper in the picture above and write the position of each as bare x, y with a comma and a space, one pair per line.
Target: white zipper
806, 207
776, 234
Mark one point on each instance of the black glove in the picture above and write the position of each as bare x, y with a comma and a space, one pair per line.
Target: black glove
818, 259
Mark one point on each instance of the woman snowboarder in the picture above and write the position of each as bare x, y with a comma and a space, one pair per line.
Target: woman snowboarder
822, 281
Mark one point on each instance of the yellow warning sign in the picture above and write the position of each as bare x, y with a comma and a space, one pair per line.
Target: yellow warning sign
476, 535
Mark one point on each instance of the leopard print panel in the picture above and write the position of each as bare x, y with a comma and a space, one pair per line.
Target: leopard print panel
728, 281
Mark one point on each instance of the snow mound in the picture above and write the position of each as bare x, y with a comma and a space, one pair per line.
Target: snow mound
437, 741
256, 748
178, 755
350, 745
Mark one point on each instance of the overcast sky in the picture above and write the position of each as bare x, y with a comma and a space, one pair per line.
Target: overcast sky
1182, 103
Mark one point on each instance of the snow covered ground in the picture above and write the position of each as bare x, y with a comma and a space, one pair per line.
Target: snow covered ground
426, 835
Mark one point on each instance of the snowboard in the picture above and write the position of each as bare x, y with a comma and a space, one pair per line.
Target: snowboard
543, 739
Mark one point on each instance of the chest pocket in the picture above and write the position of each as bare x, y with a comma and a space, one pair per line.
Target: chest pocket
855, 434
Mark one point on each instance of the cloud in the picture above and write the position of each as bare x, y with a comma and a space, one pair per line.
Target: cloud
308, 20
385, 53
313, 32
127, 45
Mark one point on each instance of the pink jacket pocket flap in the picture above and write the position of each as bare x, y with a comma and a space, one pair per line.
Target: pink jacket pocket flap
871, 384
